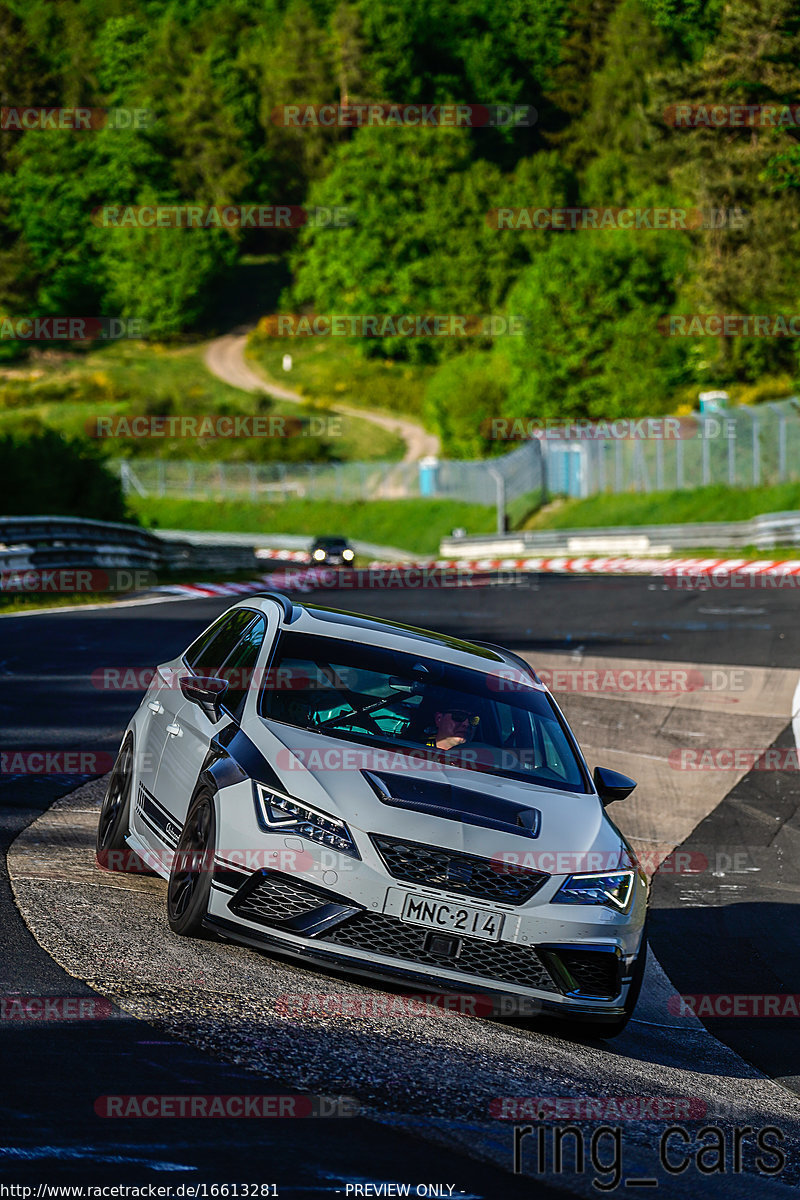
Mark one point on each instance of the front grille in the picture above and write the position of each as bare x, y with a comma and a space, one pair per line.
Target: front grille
276, 899
499, 962
432, 866
596, 972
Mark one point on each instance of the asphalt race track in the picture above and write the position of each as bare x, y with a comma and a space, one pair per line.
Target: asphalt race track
204, 1018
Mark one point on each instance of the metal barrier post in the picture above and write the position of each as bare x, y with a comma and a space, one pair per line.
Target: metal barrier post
756, 454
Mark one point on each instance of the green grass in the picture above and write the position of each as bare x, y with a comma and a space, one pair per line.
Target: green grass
716, 503
67, 392
413, 525
776, 554
333, 370
10, 603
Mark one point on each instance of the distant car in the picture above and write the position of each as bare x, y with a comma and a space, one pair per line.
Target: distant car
332, 551
384, 800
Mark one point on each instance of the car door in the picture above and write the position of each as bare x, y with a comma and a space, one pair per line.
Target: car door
232, 655
151, 820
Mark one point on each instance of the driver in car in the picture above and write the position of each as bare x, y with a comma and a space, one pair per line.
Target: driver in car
453, 727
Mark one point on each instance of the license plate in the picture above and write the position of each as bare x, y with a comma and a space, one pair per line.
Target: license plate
454, 918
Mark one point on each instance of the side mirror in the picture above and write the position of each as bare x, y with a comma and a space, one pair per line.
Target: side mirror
611, 785
206, 692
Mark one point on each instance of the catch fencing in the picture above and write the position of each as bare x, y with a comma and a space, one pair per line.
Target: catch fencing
737, 447
509, 476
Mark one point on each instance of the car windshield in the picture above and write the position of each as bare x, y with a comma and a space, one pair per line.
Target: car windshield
378, 696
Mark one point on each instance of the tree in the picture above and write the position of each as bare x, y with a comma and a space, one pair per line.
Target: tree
348, 52
49, 475
293, 67
420, 241
740, 265
475, 51
580, 55
591, 346
461, 400
164, 277
609, 142
689, 24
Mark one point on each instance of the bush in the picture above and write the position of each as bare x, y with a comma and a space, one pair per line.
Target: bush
461, 400
45, 474
592, 345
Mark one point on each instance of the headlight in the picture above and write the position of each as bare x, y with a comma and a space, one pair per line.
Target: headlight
348, 555
319, 555
286, 815
613, 889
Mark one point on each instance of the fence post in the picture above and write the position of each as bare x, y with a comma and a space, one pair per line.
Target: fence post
586, 482
601, 466
659, 465
640, 460
500, 486
544, 466
782, 449
679, 463
705, 451
732, 457
756, 453
618, 465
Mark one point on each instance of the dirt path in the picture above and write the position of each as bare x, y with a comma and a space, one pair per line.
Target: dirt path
225, 358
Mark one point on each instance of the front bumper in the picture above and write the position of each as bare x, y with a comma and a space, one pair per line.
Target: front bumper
548, 961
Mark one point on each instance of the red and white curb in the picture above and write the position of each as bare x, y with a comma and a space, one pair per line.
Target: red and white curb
672, 567
299, 556
444, 572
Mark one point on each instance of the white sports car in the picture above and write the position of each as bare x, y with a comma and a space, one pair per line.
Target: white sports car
383, 800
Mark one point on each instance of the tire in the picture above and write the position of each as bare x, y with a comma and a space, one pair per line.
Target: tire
189, 884
111, 849
596, 1029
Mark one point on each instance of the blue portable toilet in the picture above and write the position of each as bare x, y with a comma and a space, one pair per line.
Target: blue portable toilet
428, 476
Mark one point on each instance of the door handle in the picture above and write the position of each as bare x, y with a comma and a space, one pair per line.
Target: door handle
154, 706
175, 729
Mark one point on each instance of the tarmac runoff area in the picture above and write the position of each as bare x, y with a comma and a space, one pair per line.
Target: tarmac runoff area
441, 1075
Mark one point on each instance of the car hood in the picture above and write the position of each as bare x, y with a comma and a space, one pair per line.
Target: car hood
439, 804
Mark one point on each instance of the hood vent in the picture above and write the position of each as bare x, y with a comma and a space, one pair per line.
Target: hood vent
453, 803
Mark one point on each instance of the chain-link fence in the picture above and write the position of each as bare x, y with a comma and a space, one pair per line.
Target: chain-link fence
738, 447
503, 479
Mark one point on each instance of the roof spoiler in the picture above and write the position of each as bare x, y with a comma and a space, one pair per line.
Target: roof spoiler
290, 611
516, 658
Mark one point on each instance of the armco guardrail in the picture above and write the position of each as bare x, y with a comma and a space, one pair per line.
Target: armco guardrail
765, 532
73, 542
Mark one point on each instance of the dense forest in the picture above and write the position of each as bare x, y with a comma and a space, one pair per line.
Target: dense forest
604, 78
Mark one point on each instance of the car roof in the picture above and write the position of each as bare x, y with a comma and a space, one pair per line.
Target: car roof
332, 622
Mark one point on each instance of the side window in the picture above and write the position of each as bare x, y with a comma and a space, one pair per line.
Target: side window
505, 722
207, 659
551, 755
200, 644
558, 756
240, 666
